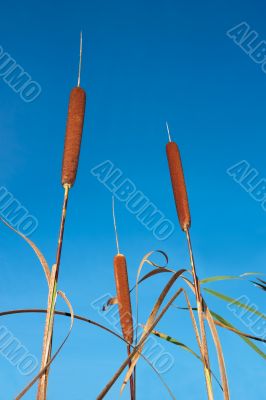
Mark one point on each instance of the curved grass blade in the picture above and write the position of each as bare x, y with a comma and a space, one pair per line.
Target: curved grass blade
228, 277
225, 324
152, 262
46, 353
150, 320
219, 350
219, 278
158, 269
220, 321
146, 259
182, 346
155, 271
259, 285
176, 342
44, 369
35, 249
261, 281
216, 342
111, 302
235, 302
137, 348
89, 321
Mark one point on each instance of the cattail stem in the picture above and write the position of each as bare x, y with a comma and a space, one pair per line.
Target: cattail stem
49, 324
200, 309
74, 129
46, 353
62, 229
132, 377
193, 267
183, 213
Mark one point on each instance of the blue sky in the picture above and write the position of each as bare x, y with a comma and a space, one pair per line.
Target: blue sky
144, 63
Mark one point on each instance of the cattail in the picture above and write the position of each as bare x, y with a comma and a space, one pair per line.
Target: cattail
122, 288
123, 296
123, 300
76, 111
178, 184
182, 207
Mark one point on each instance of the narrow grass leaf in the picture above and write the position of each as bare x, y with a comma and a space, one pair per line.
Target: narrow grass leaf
235, 302
228, 277
242, 336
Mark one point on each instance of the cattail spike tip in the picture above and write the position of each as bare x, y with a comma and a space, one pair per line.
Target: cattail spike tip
80, 58
115, 227
168, 131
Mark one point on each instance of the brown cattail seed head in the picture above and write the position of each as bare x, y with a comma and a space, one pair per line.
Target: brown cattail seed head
123, 297
179, 185
75, 120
